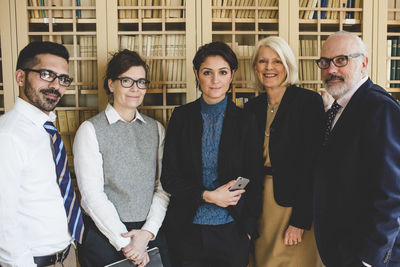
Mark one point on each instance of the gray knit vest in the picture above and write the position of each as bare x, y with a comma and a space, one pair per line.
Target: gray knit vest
129, 152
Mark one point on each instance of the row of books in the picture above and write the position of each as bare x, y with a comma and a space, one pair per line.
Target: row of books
245, 74
151, 13
67, 124
86, 49
308, 70
392, 15
226, 11
393, 49
169, 69
65, 10
313, 14
240, 101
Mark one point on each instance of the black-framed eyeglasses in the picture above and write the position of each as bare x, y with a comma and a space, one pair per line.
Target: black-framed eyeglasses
50, 76
128, 82
339, 61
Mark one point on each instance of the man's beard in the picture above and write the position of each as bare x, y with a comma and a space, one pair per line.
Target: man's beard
40, 101
335, 90
338, 90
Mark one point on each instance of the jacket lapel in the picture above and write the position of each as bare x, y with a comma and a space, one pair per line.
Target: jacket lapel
351, 113
284, 106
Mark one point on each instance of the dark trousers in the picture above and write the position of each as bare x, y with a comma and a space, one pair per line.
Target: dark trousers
96, 250
220, 246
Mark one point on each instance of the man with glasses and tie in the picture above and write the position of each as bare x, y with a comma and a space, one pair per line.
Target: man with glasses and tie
357, 175
40, 216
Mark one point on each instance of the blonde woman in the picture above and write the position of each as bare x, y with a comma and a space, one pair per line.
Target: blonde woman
290, 120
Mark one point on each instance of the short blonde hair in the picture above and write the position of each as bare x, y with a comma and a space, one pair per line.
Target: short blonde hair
282, 48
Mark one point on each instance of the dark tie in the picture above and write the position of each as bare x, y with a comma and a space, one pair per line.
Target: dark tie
330, 116
74, 215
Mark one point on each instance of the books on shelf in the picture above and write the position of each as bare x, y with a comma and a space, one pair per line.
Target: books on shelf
62, 122
87, 13
395, 51
67, 13
148, 12
393, 65
245, 74
308, 70
65, 10
308, 9
88, 66
240, 101
174, 69
223, 9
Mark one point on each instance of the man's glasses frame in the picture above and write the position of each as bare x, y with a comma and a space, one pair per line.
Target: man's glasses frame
127, 82
50, 76
339, 61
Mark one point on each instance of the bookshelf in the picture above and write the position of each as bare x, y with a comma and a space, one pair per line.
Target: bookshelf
167, 34
162, 32
241, 24
76, 27
393, 48
317, 19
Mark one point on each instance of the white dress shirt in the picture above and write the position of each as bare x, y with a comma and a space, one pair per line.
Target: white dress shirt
88, 164
33, 221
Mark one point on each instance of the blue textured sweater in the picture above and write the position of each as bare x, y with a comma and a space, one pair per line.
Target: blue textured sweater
213, 118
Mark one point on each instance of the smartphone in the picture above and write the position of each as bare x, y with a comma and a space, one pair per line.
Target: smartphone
241, 183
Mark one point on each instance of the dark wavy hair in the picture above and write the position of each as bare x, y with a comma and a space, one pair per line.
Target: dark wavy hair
214, 49
120, 63
27, 57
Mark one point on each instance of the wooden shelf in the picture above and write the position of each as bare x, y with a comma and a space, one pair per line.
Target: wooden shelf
195, 23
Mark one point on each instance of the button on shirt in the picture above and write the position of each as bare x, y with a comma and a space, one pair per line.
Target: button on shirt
88, 164
32, 216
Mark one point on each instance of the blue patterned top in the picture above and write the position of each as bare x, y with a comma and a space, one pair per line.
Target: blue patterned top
213, 118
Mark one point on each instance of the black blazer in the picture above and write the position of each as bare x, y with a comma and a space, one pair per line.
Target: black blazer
357, 184
295, 135
239, 155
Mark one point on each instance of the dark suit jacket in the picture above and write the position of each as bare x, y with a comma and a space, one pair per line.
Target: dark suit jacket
295, 136
239, 155
357, 184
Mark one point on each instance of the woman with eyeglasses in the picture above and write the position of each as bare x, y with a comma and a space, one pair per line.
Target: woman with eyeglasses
117, 158
210, 143
290, 120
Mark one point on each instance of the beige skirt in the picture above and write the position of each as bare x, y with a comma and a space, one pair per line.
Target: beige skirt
269, 248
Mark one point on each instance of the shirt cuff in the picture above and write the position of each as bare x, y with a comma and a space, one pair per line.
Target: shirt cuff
366, 264
120, 243
152, 228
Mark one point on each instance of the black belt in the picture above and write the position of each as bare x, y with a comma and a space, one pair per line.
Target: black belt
267, 170
52, 259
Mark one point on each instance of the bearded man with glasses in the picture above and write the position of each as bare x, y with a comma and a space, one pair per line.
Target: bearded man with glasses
39, 214
357, 174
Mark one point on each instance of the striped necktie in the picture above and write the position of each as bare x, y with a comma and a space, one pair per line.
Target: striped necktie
74, 215
330, 116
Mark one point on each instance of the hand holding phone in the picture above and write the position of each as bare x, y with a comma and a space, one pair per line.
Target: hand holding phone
241, 183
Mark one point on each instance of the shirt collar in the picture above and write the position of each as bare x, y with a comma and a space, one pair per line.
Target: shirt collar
345, 99
113, 116
34, 114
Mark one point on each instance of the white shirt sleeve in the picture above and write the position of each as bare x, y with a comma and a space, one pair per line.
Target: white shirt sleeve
13, 249
88, 164
160, 200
